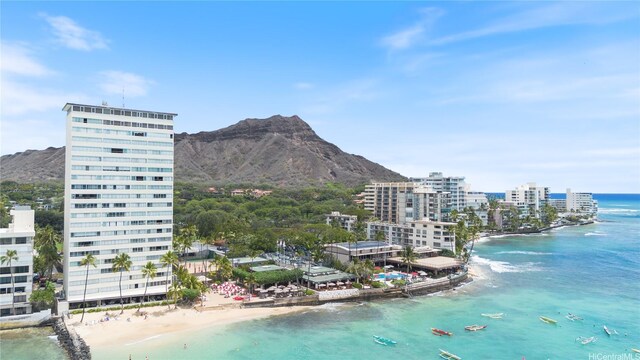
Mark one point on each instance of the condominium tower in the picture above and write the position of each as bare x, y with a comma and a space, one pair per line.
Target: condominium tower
118, 199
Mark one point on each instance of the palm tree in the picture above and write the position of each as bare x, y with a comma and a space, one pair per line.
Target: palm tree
367, 269
88, 260
355, 267
122, 262
148, 271
250, 280
351, 238
175, 292
224, 269
188, 236
170, 259
379, 237
12, 255
45, 242
408, 256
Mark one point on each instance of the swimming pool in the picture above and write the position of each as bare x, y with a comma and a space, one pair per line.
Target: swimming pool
390, 276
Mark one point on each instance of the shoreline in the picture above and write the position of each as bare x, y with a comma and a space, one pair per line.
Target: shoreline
161, 322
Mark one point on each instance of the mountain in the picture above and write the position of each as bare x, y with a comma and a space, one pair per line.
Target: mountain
282, 151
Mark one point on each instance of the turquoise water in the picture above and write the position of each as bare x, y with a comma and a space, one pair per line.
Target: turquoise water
33, 343
591, 271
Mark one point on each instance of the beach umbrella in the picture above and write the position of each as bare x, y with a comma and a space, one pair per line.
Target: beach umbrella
322, 285
332, 284
340, 283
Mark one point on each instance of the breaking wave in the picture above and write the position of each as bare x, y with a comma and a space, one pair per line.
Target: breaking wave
504, 266
524, 252
596, 233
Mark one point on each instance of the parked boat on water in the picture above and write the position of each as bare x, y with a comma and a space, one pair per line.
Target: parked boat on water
609, 331
635, 350
548, 320
383, 340
475, 327
440, 332
493, 316
449, 356
586, 340
573, 317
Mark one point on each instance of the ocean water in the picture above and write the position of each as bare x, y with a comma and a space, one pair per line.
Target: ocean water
33, 343
592, 271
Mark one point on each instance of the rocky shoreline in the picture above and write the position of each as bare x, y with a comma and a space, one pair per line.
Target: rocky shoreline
73, 344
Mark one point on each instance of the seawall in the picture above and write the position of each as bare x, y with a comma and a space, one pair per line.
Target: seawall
420, 288
73, 344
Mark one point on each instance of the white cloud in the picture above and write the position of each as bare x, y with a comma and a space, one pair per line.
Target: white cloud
114, 82
18, 98
303, 86
70, 34
407, 37
558, 14
18, 60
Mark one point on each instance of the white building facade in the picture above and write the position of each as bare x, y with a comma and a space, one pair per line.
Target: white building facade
454, 185
343, 220
581, 202
528, 198
434, 234
118, 199
19, 237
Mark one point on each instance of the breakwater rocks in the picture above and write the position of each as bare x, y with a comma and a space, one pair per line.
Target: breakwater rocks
419, 288
71, 342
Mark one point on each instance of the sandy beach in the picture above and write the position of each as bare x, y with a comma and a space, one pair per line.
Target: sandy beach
131, 329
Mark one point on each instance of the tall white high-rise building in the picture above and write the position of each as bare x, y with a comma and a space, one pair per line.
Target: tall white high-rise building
118, 199
18, 237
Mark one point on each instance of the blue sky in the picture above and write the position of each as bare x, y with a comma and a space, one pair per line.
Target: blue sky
500, 92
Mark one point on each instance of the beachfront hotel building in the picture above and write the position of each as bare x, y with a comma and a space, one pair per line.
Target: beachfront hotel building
581, 202
118, 199
19, 237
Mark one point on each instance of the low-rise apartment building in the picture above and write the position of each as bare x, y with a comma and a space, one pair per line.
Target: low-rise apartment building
16, 278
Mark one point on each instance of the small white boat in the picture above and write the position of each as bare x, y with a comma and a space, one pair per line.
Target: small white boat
609, 331
586, 340
449, 356
475, 327
548, 320
493, 316
573, 317
383, 340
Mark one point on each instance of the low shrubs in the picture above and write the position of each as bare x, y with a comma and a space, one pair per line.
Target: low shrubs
117, 308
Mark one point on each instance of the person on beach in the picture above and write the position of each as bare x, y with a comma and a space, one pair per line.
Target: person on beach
185, 346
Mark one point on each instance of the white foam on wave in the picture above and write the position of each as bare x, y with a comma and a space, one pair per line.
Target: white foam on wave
524, 252
143, 340
623, 211
504, 266
330, 306
595, 233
